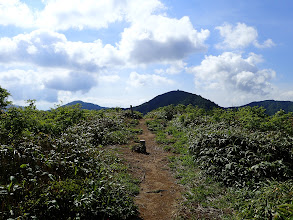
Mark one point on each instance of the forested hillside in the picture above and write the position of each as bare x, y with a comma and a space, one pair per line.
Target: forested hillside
272, 106
175, 98
85, 105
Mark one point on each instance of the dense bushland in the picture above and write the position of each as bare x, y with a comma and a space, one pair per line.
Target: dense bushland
55, 164
235, 164
247, 152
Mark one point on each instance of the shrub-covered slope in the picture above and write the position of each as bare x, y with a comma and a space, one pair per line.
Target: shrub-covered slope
55, 165
232, 162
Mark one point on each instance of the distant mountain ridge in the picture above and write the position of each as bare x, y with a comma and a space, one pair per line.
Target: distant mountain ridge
186, 98
86, 105
272, 106
175, 98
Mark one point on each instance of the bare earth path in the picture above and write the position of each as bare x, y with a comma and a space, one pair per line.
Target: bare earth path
159, 192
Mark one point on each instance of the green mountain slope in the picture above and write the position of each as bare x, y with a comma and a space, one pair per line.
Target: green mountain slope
273, 106
175, 98
85, 105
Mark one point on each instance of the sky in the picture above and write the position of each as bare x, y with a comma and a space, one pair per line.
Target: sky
117, 53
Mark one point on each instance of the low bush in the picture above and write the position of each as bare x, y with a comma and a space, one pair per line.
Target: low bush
234, 163
55, 165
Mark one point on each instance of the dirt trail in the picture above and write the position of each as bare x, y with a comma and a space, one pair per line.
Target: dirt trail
159, 193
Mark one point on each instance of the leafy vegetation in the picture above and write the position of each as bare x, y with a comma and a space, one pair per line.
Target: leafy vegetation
55, 164
4, 94
234, 163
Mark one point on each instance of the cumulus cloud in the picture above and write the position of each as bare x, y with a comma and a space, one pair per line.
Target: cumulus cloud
74, 81
79, 14
288, 95
140, 10
139, 80
233, 73
24, 85
175, 68
109, 78
148, 51
240, 36
14, 12
149, 37
162, 39
51, 49
266, 44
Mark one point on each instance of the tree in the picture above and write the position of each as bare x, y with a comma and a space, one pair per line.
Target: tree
4, 94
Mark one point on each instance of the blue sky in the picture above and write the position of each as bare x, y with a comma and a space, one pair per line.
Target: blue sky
125, 52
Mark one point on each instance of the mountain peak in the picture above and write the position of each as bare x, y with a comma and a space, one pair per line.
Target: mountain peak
175, 97
85, 105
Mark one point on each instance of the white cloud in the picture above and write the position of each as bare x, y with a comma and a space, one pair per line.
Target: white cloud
161, 39
139, 80
79, 14
14, 12
32, 49
109, 78
175, 68
240, 36
76, 14
73, 81
151, 37
50, 49
27, 84
284, 95
140, 10
166, 42
44, 84
268, 43
68, 67
233, 75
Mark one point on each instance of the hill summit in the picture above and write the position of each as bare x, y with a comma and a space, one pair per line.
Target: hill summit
175, 97
86, 105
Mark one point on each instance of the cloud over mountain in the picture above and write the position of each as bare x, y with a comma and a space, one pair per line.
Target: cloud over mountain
138, 80
74, 81
63, 49
26, 85
162, 39
232, 73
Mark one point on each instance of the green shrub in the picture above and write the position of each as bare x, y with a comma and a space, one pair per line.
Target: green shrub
238, 164
51, 170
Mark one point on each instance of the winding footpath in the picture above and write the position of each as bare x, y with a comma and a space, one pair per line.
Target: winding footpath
159, 193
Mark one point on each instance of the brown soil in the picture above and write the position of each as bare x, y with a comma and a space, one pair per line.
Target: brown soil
159, 193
